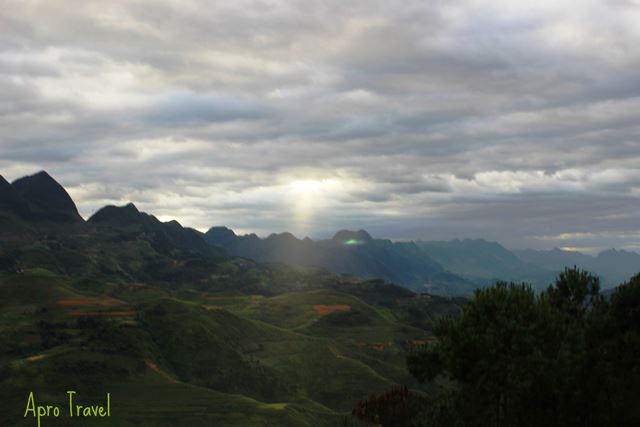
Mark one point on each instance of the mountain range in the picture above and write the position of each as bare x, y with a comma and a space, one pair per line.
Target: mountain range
348, 252
452, 267
613, 266
455, 267
179, 331
184, 327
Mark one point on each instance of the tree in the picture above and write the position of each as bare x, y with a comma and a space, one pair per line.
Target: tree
499, 352
574, 292
561, 358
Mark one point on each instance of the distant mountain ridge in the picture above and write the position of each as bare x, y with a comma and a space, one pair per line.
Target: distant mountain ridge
37, 204
166, 235
613, 266
349, 252
481, 260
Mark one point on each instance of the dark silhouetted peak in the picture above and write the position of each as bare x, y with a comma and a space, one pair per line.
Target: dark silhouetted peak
131, 207
285, 237
220, 232
352, 237
10, 200
173, 223
120, 215
47, 199
6, 190
165, 237
220, 236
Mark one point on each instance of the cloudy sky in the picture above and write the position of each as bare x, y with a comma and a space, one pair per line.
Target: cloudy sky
412, 119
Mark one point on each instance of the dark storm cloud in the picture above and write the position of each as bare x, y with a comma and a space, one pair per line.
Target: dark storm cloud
414, 119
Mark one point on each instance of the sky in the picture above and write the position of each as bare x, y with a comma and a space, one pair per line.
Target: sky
511, 121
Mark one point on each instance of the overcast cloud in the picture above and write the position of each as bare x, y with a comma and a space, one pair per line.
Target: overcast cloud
412, 119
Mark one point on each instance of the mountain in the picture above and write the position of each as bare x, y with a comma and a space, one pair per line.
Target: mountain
121, 216
348, 252
617, 265
164, 236
11, 202
40, 227
480, 260
613, 266
43, 199
555, 259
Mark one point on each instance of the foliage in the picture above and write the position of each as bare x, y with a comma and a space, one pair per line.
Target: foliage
397, 406
563, 357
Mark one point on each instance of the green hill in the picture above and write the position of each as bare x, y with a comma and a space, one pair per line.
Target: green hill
169, 356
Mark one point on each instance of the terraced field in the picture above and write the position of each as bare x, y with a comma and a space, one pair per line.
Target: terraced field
174, 357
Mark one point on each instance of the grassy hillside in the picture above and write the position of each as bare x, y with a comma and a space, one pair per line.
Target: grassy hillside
184, 355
